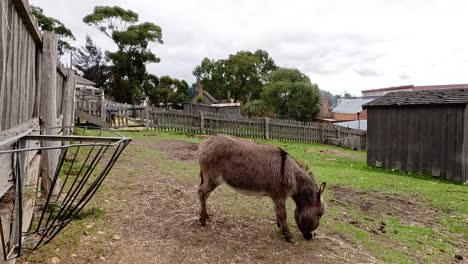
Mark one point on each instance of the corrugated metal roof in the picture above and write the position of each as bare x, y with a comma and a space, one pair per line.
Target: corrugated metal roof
422, 97
358, 124
350, 106
84, 81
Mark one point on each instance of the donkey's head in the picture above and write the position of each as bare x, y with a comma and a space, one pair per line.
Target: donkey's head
309, 213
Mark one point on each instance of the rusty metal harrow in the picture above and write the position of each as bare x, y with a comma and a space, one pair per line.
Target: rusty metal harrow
31, 216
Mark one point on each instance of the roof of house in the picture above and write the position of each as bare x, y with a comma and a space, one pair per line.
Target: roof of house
421, 97
357, 124
418, 87
351, 106
439, 87
207, 94
394, 88
81, 80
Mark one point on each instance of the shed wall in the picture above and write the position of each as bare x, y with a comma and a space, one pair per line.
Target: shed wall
427, 139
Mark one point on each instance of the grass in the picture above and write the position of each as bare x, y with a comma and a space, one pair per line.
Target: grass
434, 232
403, 243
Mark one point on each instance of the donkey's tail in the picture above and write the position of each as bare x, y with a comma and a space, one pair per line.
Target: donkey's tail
284, 155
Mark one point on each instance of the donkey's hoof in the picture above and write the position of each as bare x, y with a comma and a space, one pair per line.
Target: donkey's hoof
290, 240
202, 221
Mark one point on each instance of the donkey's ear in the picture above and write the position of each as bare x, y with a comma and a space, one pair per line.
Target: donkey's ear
322, 189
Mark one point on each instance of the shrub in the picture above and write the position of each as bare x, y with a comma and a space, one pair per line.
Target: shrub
259, 108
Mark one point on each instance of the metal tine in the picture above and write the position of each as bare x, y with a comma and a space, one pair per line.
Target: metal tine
71, 198
103, 174
54, 182
88, 172
86, 198
68, 173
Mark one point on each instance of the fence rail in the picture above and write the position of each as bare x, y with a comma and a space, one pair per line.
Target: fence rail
267, 128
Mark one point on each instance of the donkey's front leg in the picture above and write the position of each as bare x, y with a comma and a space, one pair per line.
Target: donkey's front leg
280, 210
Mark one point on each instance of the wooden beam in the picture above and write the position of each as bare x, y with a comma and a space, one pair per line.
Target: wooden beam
24, 10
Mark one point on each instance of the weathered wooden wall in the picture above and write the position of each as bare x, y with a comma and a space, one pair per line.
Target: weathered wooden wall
268, 128
426, 139
25, 97
18, 67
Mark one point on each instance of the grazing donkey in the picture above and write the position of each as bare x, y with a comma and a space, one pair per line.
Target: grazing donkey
264, 170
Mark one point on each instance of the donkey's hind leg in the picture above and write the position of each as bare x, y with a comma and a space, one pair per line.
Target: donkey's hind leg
204, 190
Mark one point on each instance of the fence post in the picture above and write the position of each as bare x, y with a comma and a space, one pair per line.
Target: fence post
103, 109
338, 132
321, 133
267, 128
68, 106
48, 110
202, 122
147, 122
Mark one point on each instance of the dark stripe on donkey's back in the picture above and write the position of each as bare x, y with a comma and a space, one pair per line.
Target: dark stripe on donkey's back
284, 154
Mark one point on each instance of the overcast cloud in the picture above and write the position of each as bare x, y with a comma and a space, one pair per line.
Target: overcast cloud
342, 45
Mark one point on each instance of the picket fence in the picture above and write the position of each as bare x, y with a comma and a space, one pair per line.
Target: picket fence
254, 127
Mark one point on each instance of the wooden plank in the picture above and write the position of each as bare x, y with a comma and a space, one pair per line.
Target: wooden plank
26, 83
24, 11
16, 103
10, 72
30, 124
6, 159
22, 102
464, 178
4, 27
458, 154
437, 133
450, 145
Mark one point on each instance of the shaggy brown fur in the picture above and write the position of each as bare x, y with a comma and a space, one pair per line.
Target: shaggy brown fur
259, 169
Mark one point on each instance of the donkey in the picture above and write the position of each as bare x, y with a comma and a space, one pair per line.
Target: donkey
263, 170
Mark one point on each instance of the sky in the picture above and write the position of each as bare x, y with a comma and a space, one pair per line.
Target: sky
341, 45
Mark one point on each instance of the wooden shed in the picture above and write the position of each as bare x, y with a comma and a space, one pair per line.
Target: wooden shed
420, 131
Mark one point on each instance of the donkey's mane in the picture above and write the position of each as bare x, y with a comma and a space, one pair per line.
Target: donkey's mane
303, 165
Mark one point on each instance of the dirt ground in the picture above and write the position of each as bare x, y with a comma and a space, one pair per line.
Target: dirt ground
178, 150
161, 224
152, 217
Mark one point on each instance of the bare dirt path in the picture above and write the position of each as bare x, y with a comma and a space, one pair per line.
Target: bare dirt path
156, 216
151, 217
151, 205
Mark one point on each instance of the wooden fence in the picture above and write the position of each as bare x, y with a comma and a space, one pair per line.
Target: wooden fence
267, 128
36, 92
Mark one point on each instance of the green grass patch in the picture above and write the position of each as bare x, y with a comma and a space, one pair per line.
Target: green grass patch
402, 243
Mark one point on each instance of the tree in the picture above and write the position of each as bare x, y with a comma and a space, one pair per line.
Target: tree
241, 76
129, 61
89, 60
166, 91
291, 94
348, 96
51, 24
211, 74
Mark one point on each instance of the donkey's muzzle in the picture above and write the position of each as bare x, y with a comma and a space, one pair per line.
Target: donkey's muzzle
308, 235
